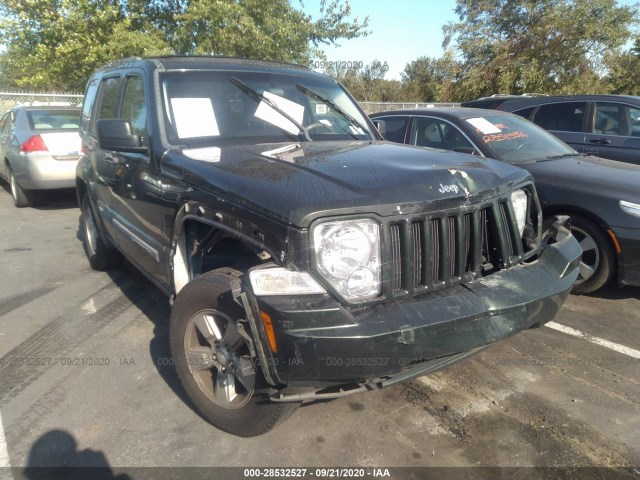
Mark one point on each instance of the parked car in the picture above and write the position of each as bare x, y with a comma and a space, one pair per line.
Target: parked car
606, 126
39, 149
494, 101
601, 196
305, 258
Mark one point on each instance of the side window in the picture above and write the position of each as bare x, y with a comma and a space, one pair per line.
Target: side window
525, 112
426, 133
431, 132
109, 97
396, 128
566, 117
87, 105
133, 105
616, 119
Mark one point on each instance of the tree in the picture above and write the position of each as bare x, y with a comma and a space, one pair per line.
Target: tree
624, 71
546, 46
366, 83
429, 79
58, 43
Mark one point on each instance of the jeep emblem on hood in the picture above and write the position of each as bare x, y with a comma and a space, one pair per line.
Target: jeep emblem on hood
448, 188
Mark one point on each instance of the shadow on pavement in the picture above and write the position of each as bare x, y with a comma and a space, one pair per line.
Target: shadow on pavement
50, 199
616, 292
55, 455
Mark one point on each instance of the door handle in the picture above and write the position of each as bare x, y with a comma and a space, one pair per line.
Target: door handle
600, 141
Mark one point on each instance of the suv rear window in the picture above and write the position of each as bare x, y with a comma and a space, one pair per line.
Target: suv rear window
54, 119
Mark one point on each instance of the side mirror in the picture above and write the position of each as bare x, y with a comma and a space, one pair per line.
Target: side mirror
381, 125
115, 134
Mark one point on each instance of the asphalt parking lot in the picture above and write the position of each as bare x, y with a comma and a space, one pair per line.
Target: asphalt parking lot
84, 379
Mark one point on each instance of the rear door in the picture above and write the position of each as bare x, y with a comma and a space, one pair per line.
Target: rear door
614, 132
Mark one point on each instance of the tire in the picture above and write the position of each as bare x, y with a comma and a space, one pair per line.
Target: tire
101, 254
203, 322
598, 264
21, 198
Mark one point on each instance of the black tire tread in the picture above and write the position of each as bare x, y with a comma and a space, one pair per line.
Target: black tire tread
217, 283
22, 198
106, 256
608, 266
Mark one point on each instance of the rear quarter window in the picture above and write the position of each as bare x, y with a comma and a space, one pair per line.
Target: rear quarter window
396, 128
563, 116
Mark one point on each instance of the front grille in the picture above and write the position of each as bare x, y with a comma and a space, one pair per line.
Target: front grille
435, 251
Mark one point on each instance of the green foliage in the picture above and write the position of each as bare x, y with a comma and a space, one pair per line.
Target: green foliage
624, 71
367, 83
431, 79
545, 46
56, 44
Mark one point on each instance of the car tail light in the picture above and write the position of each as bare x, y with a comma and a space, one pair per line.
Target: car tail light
33, 144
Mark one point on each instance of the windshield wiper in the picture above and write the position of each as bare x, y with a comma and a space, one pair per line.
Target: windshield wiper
261, 98
336, 108
561, 155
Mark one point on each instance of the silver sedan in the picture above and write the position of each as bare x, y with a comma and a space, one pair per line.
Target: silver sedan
39, 149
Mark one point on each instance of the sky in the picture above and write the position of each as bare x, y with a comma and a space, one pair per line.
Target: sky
401, 31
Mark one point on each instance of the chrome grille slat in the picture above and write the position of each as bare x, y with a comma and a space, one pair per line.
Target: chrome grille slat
418, 261
436, 251
396, 258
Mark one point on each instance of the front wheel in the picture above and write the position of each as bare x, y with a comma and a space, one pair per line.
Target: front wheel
598, 262
213, 360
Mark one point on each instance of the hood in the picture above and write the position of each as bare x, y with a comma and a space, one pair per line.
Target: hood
298, 182
593, 175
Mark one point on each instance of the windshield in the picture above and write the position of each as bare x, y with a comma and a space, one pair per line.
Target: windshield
515, 140
209, 107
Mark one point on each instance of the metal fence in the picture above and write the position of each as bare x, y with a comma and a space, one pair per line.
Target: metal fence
11, 99
374, 107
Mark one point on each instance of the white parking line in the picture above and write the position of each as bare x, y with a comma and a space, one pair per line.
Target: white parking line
5, 466
597, 340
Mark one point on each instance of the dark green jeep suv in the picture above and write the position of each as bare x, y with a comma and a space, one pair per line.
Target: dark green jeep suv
305, 258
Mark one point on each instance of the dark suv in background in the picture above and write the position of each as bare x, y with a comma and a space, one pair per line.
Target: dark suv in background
606, 126
305, 258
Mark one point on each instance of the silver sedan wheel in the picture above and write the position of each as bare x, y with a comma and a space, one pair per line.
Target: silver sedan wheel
217, 357
590, 255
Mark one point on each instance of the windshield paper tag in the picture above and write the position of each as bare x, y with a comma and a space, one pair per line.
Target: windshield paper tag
484, 125
268, 114
194, 117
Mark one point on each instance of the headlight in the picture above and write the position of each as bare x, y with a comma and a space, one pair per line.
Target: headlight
519, 201
348, 256
280, 281
630, 208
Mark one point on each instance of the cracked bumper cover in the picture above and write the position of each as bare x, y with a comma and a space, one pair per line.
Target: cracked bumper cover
321, 343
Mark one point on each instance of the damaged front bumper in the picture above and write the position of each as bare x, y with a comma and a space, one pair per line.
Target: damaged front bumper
326, 350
